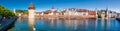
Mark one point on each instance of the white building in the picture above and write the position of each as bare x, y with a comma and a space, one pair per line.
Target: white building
73, 11
112, 14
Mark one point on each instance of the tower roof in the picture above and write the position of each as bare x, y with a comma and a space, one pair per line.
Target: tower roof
31, 6
52, 7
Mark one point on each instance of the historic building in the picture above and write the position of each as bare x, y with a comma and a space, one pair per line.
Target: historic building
112, 14
52, 11
83, 12
107, 13
70, 11
118, 15
31, 10
38, 13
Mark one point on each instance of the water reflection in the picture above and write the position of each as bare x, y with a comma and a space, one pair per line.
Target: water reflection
31, 24
79, 25
108, 25
62, 24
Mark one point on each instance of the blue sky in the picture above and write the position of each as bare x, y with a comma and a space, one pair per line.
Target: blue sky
42, 5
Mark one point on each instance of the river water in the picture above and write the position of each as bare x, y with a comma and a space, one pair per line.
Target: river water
56, 24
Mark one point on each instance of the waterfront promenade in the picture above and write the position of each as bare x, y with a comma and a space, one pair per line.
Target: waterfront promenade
6, 23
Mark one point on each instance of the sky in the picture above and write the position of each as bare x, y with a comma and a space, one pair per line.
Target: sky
42, 5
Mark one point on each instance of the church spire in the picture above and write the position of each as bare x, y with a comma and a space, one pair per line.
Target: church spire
31, 6
107, 8
52, 7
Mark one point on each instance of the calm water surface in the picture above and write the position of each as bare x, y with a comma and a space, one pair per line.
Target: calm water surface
55, 24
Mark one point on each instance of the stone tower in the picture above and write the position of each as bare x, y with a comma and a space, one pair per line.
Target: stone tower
31, 10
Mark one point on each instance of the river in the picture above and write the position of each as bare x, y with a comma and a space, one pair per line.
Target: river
56, 24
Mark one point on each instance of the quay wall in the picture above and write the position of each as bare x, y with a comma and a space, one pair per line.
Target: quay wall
5, 24
70, 16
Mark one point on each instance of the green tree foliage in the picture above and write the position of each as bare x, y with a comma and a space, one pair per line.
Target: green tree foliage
22, 11
5, 12
99, 15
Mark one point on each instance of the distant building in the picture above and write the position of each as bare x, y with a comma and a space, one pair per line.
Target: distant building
71, 11
47, 12
52, 11
38, 13
83, 12
118, 15
107, 13
104, 13
112, 14
58, 12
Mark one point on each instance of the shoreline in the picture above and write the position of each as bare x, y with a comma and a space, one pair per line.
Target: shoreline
69, 16
4, 25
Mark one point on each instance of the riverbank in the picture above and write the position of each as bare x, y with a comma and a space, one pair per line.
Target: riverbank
4, 24
69, 16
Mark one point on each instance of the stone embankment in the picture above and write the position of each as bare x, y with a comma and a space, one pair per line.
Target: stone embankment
69, 16
6, 23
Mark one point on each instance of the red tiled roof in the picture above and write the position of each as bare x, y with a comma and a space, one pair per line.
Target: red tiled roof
89, 12
82, 10
47, 11
31, 6
92, 12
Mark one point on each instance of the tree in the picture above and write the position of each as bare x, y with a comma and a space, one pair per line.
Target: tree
5, 12
99, 15
22, 11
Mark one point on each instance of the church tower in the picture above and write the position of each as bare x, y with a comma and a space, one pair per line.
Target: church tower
107, 13
31, 10
52, 10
